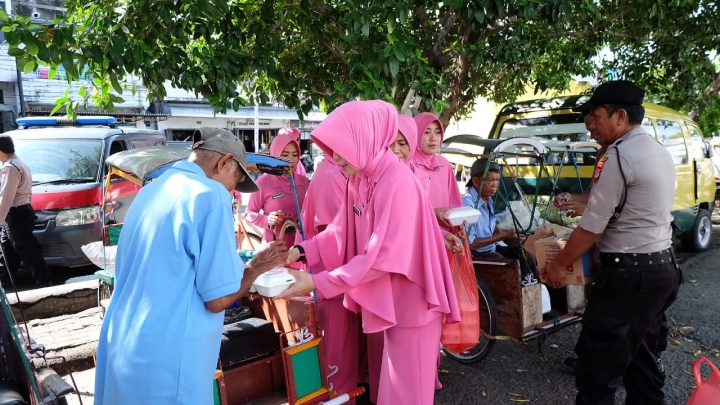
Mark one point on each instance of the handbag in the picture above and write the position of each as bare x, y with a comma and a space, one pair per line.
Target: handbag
707, 391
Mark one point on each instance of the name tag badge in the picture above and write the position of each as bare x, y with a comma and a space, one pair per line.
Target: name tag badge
357, 210
276, 196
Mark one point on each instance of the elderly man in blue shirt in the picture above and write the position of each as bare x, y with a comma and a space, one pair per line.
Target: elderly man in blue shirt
177, 270
484, 235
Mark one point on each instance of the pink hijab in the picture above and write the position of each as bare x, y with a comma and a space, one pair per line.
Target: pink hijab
407, 127
283, 138
421, 158
324, 196
384, 212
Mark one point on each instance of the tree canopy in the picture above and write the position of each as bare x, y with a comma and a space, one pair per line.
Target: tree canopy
314, 52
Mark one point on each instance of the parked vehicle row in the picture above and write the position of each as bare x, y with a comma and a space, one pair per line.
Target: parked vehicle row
553, 121
67, 164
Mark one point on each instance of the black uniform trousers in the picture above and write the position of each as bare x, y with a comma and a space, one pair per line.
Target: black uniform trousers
19, 243
624, 330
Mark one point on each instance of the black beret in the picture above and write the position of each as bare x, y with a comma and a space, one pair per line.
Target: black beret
620, 92
6, 144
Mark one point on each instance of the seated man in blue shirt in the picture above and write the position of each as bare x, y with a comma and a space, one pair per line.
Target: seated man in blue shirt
483, 235
177, 271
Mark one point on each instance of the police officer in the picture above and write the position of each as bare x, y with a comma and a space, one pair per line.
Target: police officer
17, 215
628, 216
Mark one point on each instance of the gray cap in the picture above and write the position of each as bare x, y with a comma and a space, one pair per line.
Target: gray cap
478, 168
222, 141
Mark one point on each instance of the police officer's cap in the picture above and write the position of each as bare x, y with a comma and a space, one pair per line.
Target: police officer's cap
478, 168
6, 144
619, 92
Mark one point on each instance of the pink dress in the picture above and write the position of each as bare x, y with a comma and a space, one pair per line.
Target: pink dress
276, 194
375, 341
341, 328
404, 296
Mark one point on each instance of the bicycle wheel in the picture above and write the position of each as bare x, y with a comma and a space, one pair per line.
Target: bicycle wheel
488, 323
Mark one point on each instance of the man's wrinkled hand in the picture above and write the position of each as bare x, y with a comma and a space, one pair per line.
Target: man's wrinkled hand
553, 274
273, 255
508, 235
303, 285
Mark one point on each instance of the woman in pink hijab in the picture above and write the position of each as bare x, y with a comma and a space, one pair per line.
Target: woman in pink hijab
274, 203
341, 338
435, 173
405, 296
406, 139
404, 147
294, 134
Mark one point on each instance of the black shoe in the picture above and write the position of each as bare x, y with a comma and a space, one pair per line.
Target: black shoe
571, 363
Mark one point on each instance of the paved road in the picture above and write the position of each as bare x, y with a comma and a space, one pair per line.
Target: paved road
516, 373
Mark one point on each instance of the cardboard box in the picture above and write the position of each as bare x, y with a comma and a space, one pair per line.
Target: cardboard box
547, 249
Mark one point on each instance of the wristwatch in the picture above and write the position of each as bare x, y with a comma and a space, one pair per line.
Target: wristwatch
302, 252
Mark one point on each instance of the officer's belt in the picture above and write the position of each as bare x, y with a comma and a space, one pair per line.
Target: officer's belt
20, 207
636, 259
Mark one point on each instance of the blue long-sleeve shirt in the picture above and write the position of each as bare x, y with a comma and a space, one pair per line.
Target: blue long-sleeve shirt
485, 226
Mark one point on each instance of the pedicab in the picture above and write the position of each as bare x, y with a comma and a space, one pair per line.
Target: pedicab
513, 304
25, 375
266, 343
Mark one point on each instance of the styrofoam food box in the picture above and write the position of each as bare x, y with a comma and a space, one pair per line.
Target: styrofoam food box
273, 282
460, 215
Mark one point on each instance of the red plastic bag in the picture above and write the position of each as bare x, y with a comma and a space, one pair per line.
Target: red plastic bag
707, 392
465, 334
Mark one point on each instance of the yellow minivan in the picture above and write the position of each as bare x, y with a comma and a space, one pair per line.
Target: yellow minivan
553, 120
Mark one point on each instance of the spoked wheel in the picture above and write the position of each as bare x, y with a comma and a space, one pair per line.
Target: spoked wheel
488, 324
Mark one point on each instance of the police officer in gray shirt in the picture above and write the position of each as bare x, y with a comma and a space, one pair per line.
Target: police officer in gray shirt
628, 215
17, 216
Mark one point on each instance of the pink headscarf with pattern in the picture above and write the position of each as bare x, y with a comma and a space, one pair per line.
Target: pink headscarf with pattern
384, 212
422, 121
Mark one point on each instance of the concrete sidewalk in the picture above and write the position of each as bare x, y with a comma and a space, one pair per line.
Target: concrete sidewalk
73, 337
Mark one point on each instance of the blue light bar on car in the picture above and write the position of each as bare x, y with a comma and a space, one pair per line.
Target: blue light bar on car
58, 121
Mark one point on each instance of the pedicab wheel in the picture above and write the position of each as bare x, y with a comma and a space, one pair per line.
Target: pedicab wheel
488, 324
104, 293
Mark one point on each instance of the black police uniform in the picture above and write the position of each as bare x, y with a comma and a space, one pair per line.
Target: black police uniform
16, 234
624, 325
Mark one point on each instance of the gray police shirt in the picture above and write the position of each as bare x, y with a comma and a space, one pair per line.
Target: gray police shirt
643, 226
15, 186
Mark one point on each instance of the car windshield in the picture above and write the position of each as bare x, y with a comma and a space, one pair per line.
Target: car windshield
60, 161
561, 127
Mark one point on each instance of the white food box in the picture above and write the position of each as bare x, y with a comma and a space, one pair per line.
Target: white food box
273, 282
462, 215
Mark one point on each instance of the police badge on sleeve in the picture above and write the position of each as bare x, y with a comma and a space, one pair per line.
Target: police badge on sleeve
598, 169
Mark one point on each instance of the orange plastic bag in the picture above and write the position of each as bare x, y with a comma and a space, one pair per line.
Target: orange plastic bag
707, 392
465, 334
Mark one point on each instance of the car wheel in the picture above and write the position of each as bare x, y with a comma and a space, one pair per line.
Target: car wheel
698, 239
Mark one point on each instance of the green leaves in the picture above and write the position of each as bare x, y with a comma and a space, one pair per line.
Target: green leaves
314, 52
